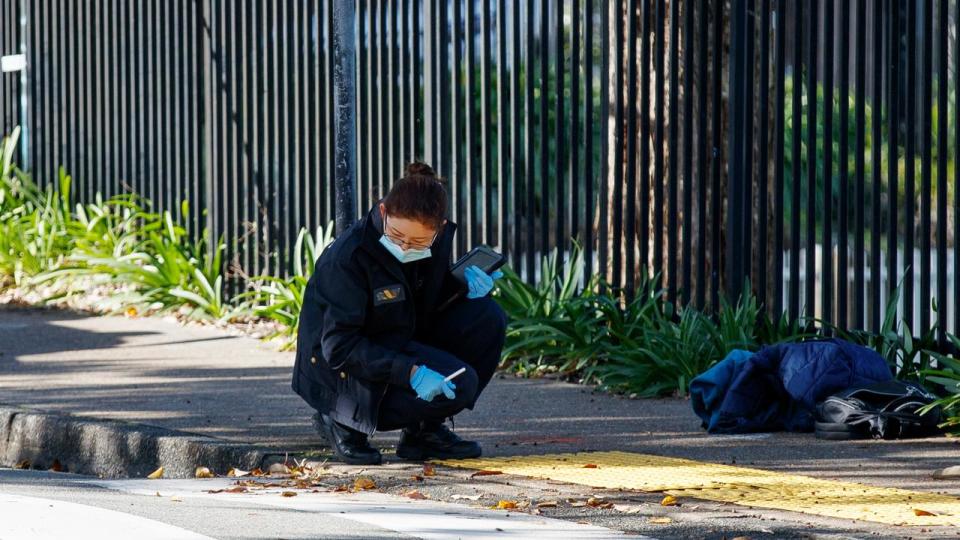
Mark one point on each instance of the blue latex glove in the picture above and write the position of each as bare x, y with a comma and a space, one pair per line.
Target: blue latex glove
429, 384
479, 282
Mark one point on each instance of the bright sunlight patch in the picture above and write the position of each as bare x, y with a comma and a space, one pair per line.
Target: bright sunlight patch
726, 483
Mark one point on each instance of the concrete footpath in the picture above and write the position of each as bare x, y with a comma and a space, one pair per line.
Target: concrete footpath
118, 396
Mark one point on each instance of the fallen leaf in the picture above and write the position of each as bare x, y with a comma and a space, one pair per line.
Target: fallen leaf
340, 488
627, 508
740, 538
414, 494
278, 468
669, 500
590, 466
920, 512
364, 483
156, 474
428, 470
599, 503
547, 504
506, 505
131, 311
256, 472
289, 494
203, 472
417, 478
22, 464
578, 504
235, 489
56, 467
485, 472
660, 520
237, 473
466, 497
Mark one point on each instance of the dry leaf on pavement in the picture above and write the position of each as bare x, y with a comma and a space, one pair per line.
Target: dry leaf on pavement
627, 508
415, 494
237, 473
289, 494
660, 520
203, 472
22, 464
56, 466
669, 500
547, 504
485, 472
506, 505
920, 512
156, 474
467, 497
599, 503
428, 470
590, 466
364, 483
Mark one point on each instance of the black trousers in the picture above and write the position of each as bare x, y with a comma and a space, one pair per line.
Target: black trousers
470, 334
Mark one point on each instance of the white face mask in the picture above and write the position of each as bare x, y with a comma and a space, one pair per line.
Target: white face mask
403, 255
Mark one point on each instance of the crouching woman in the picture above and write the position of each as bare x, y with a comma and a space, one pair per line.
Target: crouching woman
374, 352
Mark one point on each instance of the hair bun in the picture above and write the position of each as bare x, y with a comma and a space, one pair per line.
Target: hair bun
419, 168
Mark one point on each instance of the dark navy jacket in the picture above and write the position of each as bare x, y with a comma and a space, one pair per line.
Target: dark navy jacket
358, 315
779, 387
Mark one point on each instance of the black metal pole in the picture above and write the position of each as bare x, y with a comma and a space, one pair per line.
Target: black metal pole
345, 114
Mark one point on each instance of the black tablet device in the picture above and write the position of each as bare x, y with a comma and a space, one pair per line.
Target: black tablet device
483, 257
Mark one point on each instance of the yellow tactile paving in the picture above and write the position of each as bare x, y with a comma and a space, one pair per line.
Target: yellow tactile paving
726, 483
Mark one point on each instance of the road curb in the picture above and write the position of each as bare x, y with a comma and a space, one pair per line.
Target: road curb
115, 449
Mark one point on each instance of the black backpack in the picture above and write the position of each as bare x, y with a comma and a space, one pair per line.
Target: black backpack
885, 410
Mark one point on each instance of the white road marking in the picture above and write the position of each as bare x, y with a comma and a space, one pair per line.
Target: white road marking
425, 519
36, 518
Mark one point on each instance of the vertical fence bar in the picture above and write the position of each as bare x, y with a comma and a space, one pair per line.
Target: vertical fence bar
860, 121
716, 138
588, 138
893, 145
471, 203
674, 166
660, 89
559, 133
876, 149
618, 133
629, 226
735, 166
688, 70
574, 175
826, 272
909, 157
797, 119
506, 185
925, 165
778, 172
486, 138
702, 141
763, 147
516, 167
811, 217
529, 171
544, 85
844, 159
605, 131
942, 136
644, 218
956, 181
344, 38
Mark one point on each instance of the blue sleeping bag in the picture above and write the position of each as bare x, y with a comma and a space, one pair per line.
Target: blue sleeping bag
779, 387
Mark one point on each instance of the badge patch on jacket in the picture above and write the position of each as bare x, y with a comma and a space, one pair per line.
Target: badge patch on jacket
388, 295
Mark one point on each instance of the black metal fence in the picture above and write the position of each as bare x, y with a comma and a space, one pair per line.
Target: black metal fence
806, 146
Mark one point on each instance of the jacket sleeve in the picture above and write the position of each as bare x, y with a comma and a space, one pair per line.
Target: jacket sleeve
344, 298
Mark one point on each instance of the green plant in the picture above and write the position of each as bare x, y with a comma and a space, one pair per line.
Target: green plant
947, 376
281, 299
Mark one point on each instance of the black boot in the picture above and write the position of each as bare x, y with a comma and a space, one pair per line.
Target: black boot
350, 445
434, 440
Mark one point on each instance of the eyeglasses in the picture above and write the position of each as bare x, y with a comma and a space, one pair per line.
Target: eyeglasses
409, 245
